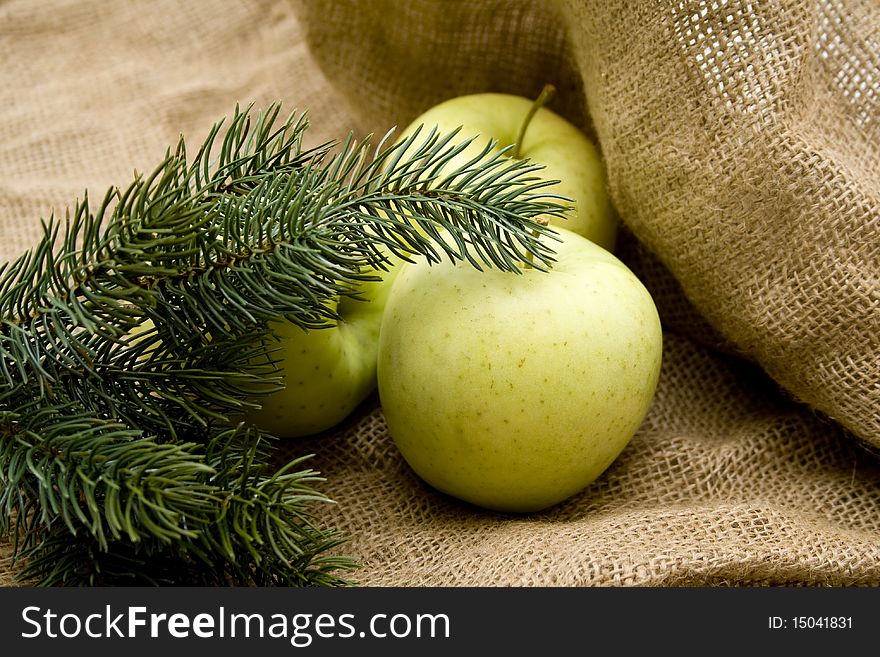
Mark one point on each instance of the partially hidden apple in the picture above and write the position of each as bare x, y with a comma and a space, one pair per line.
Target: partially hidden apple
327, 372
514, 391
532, 131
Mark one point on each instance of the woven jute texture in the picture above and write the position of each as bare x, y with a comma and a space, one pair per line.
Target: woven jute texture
742, 141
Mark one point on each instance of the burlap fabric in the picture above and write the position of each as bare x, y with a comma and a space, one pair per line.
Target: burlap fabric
743, 147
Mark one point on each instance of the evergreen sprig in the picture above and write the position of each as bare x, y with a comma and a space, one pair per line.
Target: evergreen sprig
133, 337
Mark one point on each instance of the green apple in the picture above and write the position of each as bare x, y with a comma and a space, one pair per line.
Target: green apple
327, 371
540, 135
515, 391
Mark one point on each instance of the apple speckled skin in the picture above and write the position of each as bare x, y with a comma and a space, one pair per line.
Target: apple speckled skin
516, 391
566, 154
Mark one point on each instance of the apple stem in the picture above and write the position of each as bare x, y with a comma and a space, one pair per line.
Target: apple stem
530, 257
543, 98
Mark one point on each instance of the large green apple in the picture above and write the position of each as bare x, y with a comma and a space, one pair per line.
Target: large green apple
515, 391
566, 154
327, 371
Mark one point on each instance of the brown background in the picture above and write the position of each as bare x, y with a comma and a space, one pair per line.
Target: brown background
742, 152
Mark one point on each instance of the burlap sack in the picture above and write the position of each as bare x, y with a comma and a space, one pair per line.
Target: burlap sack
742, 146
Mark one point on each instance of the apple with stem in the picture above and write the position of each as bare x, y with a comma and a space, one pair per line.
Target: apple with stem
514, 391
528, 129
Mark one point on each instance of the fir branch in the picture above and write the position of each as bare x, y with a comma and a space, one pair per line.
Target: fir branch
240, 524
59, 464
131, 339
